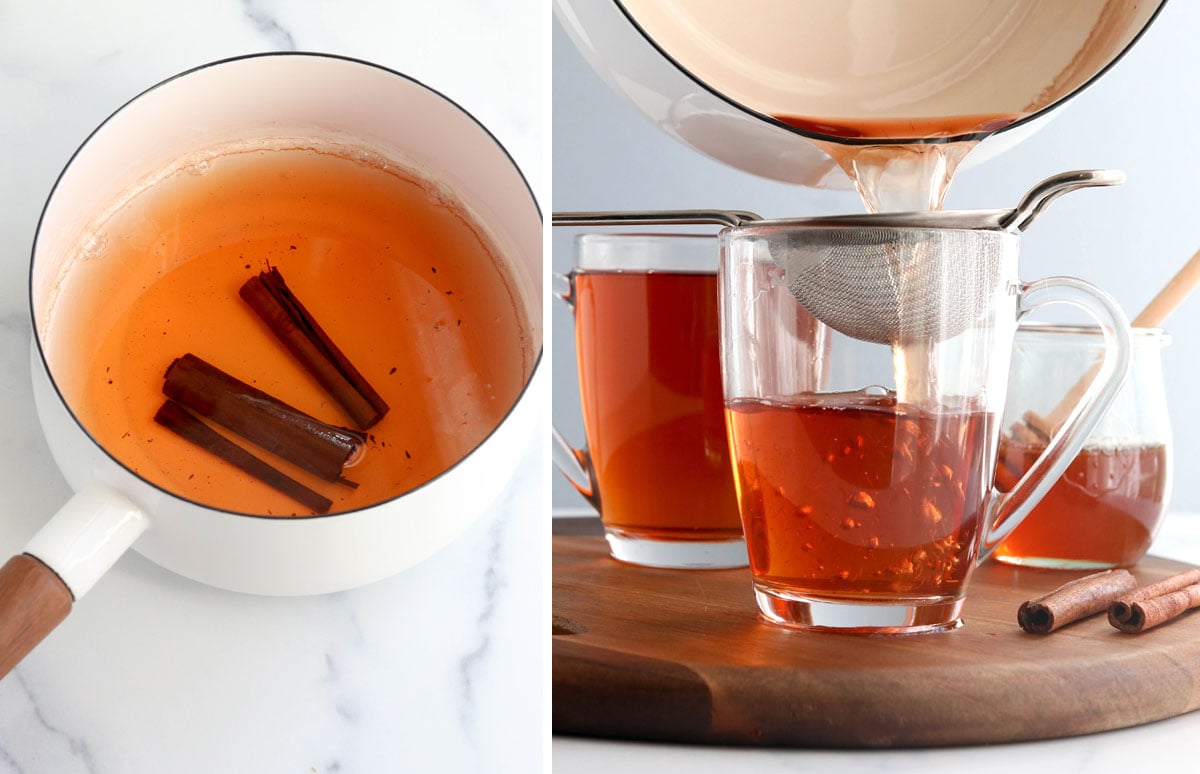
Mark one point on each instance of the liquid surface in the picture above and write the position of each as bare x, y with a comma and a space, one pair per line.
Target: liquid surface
1104, 510
847, 497
893, 60
650, 376
396, 272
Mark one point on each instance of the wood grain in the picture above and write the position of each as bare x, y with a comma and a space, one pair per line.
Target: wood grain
681, 656
33, 600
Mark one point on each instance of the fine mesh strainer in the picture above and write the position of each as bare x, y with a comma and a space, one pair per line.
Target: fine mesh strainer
889, 284
888, 278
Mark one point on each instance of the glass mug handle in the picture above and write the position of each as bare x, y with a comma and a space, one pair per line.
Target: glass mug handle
575, 464
1006, 510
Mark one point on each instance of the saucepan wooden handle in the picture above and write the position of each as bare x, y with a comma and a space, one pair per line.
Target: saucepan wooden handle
61, 562
33, 600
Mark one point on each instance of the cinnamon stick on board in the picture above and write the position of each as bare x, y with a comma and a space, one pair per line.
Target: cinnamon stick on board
265, 421
1156, 603
269, 296
1074, 600
191, 428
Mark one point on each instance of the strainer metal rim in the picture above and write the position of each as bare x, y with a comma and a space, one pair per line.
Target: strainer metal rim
942, 220
1012, 220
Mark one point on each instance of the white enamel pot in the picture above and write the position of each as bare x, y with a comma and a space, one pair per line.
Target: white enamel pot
113, 509
717, 125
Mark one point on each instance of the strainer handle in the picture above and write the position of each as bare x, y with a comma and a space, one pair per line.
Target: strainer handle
1007, 509
1053, 187
731, 218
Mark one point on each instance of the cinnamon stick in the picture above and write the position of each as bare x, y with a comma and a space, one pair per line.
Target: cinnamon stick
178, 420
269, 423
1156, 603
1151, 612
271, 299
1074, 600
1028, 433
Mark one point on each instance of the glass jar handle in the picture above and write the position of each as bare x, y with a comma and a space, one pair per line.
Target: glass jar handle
1006, 510
575, 464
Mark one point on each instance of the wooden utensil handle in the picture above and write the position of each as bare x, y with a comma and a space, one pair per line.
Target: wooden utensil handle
33, 600
1153, 316
1171, 296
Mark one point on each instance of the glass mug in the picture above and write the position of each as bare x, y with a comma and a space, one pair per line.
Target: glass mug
1106, 508
656, 465
867, 500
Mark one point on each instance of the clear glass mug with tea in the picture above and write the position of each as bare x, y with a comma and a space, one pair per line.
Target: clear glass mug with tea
1109, 503
864, 446
656, 462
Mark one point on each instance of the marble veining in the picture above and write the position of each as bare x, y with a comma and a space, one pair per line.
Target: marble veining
58, 742
269, 26
476, 658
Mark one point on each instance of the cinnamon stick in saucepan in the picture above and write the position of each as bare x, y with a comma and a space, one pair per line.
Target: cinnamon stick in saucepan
1156, 603
269, 296
1074, 600
265, 421
179, 421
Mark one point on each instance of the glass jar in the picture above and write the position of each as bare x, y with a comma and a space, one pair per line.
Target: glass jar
1105, 510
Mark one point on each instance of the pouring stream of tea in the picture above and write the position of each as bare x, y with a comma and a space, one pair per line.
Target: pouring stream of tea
895, 176
1178, 288
900, 176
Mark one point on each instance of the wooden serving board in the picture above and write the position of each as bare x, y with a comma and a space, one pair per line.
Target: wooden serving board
680, 655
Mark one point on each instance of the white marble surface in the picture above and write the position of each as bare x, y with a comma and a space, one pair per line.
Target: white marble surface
438, 669
1167, 745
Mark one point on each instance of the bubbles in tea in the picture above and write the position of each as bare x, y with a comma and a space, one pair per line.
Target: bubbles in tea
853, 496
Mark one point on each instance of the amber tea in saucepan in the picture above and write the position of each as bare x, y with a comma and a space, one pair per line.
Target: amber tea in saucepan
398, 273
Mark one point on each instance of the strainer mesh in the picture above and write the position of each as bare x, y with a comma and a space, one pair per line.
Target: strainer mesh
893, 285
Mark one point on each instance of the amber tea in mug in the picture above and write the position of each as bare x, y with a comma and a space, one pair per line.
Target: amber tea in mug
827, 483
864, 467
389, 263
647, 343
